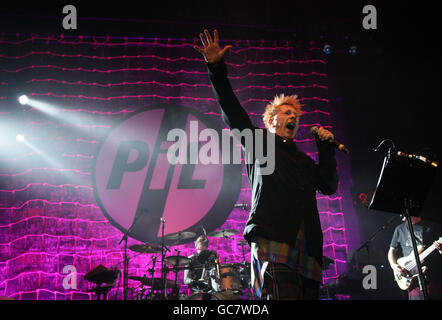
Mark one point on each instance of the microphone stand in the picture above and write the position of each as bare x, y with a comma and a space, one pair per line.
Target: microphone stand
163, 274
421, 277
367, 243
414, 181
376, 233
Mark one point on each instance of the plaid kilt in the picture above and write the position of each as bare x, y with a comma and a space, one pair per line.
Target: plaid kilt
284, 272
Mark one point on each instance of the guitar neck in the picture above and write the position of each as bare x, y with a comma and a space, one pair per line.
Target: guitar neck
422, 256
427, 251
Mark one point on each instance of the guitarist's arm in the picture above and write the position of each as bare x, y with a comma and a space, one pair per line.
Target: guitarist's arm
392, 259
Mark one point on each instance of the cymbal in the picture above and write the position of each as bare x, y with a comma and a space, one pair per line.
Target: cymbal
154, 283
182, 235
223, 233
242, 243
145, 248
177, 260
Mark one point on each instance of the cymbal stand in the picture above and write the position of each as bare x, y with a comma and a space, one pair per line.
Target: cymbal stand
126, 270
152, 273
134, 256
142, 293
163, 253
243, 253
175, 270
126, 260
247, 272
126, 265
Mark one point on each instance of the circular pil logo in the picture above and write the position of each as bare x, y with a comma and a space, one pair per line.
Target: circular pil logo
136, 185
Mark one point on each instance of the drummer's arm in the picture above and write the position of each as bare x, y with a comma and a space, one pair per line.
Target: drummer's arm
216, 255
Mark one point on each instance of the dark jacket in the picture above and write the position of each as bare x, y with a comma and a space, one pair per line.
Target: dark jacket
282, 200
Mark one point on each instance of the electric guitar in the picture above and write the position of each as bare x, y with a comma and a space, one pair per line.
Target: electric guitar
409, 264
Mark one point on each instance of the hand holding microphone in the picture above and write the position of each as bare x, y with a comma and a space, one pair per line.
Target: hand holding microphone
326, 135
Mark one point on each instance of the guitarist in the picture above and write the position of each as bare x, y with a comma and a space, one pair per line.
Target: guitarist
426, 233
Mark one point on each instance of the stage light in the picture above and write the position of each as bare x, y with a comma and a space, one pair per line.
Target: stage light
23, 99
353, 50
20, 138
327, 49
56, 111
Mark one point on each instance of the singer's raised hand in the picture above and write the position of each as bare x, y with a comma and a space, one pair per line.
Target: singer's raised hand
211, 50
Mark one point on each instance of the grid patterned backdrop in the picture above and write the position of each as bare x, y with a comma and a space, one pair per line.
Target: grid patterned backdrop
49, 218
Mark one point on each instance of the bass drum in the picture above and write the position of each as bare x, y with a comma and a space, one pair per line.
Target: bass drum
203, 296
230, 277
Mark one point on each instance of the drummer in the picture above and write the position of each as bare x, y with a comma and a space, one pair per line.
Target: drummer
201, 275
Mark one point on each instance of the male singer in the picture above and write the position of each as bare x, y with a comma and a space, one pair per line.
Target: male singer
283, 228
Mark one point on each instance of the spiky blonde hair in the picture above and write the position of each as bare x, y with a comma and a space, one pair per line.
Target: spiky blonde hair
272, 107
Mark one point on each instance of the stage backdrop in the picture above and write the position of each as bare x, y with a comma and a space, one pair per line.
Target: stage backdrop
49, 218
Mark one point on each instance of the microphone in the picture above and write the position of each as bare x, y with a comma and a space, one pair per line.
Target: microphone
336, 144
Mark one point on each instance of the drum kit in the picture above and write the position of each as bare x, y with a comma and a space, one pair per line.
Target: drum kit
225, 282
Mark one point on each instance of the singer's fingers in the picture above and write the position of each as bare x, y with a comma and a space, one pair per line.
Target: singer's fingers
200, 50
203, 40
324, 134
216, 36
321, 130
208, 36
328, 135
223, 51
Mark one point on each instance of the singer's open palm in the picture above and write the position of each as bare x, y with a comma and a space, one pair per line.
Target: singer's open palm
211, 51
